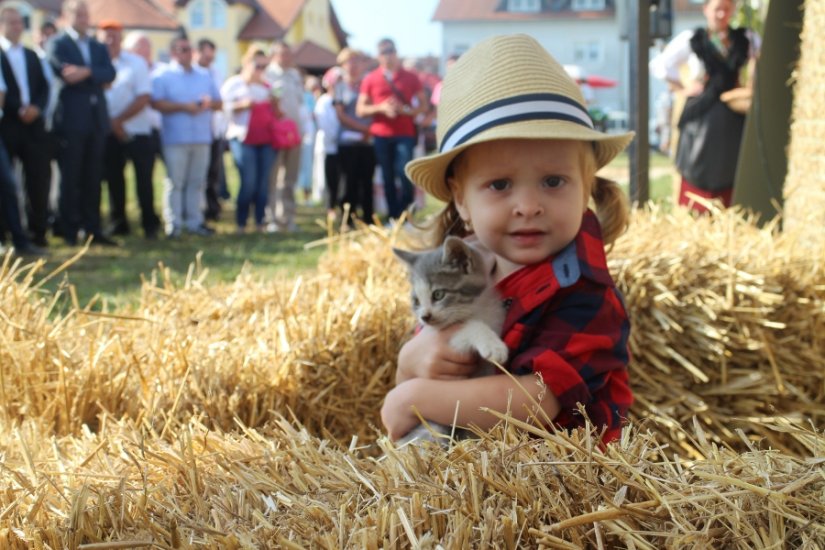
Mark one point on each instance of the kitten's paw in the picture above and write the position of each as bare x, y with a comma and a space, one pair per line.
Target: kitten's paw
493, 350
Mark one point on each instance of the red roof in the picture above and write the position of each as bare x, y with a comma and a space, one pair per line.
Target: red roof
309, 55
133, 14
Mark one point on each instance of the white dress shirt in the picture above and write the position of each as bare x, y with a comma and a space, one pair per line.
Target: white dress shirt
132, 80
17, 60
82, 43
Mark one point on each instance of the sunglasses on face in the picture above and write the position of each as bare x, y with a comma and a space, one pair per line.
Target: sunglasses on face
260, 66
386, 51
183, 49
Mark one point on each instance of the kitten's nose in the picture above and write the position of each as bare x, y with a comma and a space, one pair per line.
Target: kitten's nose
427, 317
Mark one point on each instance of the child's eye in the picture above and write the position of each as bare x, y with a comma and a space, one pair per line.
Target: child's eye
438, 295
499, 185
553, 181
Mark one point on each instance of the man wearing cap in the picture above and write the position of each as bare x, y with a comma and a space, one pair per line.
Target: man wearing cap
127, 100
82, 68
393, 97
23, 128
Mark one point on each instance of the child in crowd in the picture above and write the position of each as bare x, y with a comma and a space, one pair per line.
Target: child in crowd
516, 164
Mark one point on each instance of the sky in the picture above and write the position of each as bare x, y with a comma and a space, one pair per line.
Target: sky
407, 22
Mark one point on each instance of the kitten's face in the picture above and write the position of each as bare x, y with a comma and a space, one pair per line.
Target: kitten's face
445, 282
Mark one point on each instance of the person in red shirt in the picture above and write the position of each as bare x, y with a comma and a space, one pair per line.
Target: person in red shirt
393, 97
516, 165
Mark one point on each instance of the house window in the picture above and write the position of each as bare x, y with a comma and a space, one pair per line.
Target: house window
217, 9
529, 6
588, 5
197, 14
588, 53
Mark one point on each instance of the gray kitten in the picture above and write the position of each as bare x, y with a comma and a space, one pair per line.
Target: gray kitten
451, 284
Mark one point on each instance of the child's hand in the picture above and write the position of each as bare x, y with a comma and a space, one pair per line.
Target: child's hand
397, 414
429, 355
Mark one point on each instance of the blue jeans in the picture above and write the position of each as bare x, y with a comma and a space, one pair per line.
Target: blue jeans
254, 163
392, 154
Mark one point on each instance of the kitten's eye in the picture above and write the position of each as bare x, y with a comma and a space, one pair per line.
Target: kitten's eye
499, 185
438, 295
553, 181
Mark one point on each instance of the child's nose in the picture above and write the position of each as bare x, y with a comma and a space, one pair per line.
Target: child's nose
528, 204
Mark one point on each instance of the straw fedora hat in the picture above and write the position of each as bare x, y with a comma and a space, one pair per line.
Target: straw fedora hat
507, 87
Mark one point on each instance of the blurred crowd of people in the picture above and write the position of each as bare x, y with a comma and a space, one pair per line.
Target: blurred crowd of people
84, 102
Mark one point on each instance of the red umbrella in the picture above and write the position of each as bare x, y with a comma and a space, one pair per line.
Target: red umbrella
596, 81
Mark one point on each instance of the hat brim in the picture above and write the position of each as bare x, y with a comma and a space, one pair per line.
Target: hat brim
430, 172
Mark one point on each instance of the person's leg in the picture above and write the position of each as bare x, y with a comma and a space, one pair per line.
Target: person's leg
265, 158
292, 163
36, 158
364, 160
194, 188
114, 163
141, 150
90, 183
8, 202
274, 188
403, 154
70, 161
385, 156
176, 159
332, 176
242, 155
213, 177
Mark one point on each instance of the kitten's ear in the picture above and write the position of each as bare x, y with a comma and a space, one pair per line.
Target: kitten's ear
405, 256
459, 254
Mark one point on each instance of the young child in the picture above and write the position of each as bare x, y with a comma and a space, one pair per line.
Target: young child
516, 166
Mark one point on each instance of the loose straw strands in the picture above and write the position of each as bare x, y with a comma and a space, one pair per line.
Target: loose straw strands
208, 488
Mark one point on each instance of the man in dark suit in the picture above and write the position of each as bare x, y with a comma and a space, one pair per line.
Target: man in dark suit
23, 127
82, 67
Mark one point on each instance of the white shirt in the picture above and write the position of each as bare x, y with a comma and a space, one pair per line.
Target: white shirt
288, 86
235, 89
328, 124
82, 44
17, 60
132, 80
667, 65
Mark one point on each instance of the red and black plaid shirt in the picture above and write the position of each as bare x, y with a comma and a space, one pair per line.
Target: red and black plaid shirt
567, 322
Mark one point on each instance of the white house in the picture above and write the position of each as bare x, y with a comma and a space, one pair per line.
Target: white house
586, 33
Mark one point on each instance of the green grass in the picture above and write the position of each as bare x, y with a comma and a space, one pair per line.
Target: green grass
113, 275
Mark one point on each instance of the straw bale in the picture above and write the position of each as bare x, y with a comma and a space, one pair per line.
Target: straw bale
804, 189
165, 423
207, 488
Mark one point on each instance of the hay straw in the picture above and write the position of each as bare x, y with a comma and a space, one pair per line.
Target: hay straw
165, 423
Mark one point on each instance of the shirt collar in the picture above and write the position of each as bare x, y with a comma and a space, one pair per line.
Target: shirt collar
584, 257
72, 32
6, 44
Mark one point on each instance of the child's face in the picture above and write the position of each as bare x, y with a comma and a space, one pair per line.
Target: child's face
524, 198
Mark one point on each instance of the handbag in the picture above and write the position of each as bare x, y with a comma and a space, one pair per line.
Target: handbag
285, 134
259, 130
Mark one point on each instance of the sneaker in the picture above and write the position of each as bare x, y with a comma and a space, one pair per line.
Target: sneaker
202, 231
173, 234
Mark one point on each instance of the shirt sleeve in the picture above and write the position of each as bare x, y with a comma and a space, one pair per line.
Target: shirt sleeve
158, 87
579, 349
665, 66
143, 81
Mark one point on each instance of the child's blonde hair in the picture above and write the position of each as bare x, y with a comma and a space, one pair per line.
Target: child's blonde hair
610, 202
